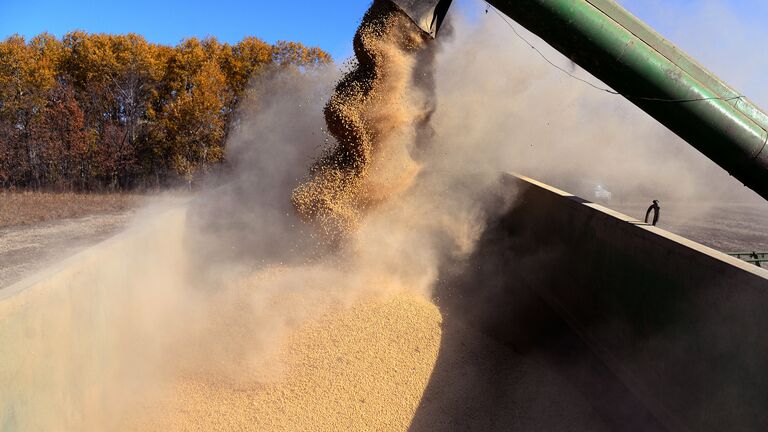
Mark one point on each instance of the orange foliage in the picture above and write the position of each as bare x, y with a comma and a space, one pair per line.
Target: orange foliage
101, 111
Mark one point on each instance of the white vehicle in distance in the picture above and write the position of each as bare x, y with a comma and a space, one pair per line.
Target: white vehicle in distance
602, 194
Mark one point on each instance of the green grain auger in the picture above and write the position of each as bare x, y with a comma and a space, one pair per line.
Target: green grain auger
628, 55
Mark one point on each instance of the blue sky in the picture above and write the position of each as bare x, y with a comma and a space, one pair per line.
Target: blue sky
331, 27
169, 21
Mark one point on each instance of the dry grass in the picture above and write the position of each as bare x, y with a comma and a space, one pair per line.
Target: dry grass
26, 208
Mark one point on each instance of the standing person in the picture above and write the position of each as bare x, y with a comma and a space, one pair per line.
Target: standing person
655, 207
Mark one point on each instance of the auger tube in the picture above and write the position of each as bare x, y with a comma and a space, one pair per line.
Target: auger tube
634, 60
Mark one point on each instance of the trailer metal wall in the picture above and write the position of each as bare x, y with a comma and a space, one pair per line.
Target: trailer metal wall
659, 332
73, 339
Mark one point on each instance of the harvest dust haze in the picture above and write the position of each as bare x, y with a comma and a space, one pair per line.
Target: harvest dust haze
384, 224
258, 321
392, 208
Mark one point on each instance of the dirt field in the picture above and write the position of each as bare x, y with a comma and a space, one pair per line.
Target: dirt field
27, 249
39, 228
30, 208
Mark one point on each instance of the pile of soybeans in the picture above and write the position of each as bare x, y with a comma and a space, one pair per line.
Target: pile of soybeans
362, 368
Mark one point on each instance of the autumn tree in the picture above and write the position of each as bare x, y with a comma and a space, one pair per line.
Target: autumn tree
193, 117
293, 53
94, 111
27, 74
66, 146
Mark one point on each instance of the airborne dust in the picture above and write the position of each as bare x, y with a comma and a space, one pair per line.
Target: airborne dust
359, 243
378, 214
277, 263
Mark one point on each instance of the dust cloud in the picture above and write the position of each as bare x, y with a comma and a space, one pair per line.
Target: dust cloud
253, 270
268, 267
522, 114
502, 107
260, 270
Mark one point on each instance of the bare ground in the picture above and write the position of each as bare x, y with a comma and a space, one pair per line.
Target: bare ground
40, 228
30, 208
28, 248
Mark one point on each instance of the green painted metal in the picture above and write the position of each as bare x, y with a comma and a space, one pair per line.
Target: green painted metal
626, 54
629, 56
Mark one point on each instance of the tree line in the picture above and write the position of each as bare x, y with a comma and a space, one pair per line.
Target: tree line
112, 112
